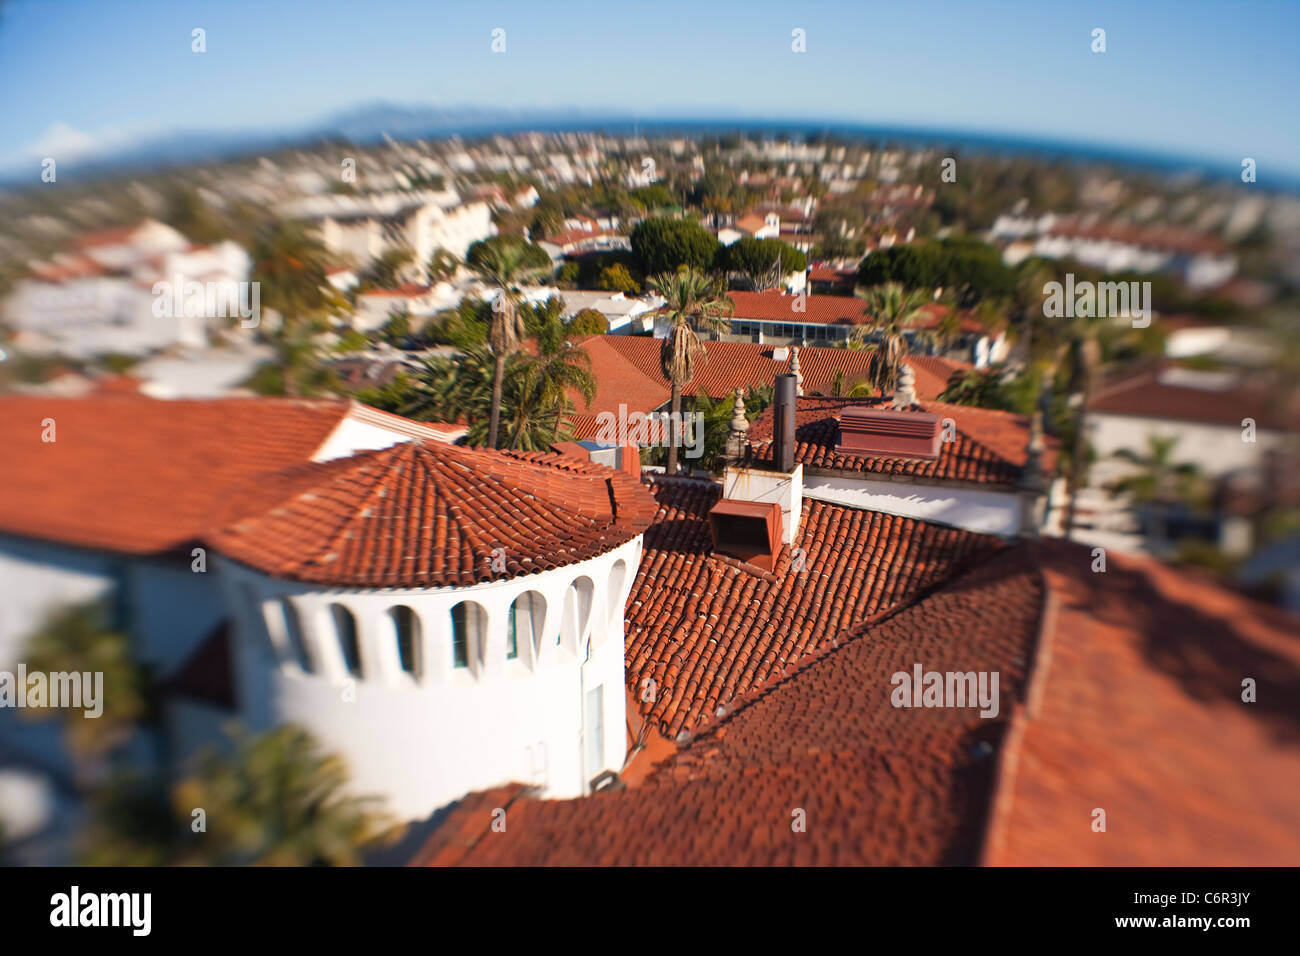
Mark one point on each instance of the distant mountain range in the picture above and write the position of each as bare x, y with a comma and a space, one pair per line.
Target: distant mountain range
371, 123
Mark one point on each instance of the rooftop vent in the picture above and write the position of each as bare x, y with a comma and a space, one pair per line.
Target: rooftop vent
748, 530
888, 431
781, 354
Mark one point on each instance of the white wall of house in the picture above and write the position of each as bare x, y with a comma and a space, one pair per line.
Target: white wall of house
422, 740
169, 608
1215, 449
989, 512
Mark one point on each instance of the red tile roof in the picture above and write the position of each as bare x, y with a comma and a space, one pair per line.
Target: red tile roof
707, 628
1119, 691
727, 366
877, 784
773, 306
989, 449
426, 514
1138, 710
137, 475
1153, 393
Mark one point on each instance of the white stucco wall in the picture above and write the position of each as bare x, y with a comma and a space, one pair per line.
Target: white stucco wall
1215, 449
989, 512
423, 742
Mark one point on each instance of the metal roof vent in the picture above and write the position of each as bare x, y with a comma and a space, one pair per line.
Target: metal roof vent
873, 431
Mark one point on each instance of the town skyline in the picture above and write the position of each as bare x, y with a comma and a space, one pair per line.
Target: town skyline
1190, 92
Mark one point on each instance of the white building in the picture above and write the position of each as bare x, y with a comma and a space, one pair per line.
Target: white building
178, 513
102, 295
361, 228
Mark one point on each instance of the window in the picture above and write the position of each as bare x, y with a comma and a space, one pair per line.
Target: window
345, 626
617, 577
468, 627
576, 615
407, 628
459, 636
524, 627
297, 643
512, 633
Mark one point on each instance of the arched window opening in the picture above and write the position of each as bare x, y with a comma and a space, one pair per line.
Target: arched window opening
467, 620
525, 623
345, 627
297, 640
409, 651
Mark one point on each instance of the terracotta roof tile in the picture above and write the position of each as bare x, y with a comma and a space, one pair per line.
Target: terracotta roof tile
427, 514
138, 475
1140, 713
706, 628
989, 449
877, 784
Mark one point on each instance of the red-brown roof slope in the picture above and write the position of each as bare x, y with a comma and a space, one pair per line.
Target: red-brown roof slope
706, 628
876, 784
775, 306
138, 475
426, 514
1140, 713
727, 366
1167, 392
640, 386
989, 448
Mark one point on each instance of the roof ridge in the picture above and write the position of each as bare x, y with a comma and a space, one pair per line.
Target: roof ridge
384, 455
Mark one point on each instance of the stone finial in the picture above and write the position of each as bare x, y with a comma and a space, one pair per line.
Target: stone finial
794, 370
738, 436
905, 390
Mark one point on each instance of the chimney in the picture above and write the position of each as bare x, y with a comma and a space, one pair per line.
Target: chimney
778, 486
783, 423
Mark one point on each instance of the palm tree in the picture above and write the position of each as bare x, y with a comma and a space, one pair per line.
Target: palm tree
451, 390
504, 262
1157, 483
74, 640
289, 264
895, 313
278, 800
272, 800
692, 300
559, 366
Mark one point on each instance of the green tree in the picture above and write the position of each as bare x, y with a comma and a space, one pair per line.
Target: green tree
442, 266
764, 262
279, 800
662, 245
967, 269
895, 314
289, 263
616, 278
505, 263
387, 269
693, 300
588, 322
1158, 484
74, 639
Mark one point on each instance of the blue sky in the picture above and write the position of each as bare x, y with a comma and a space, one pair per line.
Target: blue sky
1208, 80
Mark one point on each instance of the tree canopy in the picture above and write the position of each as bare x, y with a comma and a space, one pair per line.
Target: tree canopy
664, 245
971, 269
